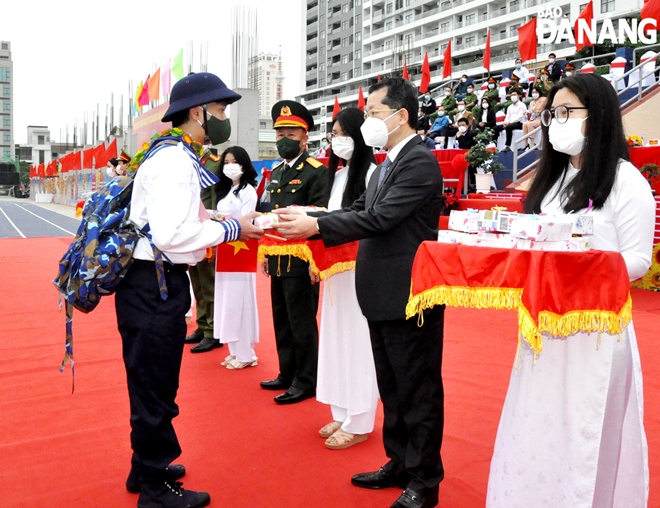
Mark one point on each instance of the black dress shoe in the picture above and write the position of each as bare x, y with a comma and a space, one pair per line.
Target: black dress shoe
294, 395
413, 499
194, 337
275, 384
381, 479
171, 495
174, 472
206, 344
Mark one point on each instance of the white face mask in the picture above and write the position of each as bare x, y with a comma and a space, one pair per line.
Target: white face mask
567, 137
463, 80
551, 60
233, 171
485, 105
343, 147
569, 74
514, 99
461, 107
374, 131
470, 90
491, 86
462, 128
535, 96
110, 172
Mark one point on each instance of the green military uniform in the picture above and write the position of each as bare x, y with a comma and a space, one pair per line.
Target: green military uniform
493, 96
301, 181
469, 99
449, 102
202, 275
513, 87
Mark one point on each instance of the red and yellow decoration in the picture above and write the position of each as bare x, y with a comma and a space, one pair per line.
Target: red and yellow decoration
634, 140
587, 292
239, 256
652, 278
176, 132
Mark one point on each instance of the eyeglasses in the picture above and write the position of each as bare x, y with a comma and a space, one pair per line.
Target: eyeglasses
560, 113
373, 112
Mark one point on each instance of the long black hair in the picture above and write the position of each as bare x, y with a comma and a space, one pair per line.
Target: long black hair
350, 120
249, 176
604, 145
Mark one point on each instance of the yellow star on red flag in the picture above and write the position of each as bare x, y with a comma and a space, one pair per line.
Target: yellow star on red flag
238, 245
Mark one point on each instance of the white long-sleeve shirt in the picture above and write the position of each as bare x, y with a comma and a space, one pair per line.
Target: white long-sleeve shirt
166, 194
515, 112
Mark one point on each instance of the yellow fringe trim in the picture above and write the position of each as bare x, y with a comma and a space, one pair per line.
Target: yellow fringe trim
461, 296
300, 251
572, 322
346, 266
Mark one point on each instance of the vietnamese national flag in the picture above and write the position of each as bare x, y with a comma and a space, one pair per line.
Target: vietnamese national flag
154, 86
487, 52
99, 156
446, 62
651, 11
75, 161
426, 74
336, 108
361, 102
111, 151
527, 41
237, 256
144, 94
405, 71
587, 15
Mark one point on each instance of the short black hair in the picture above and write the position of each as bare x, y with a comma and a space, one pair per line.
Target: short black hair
463, 120
180, 117
552, 54
401, 94
114, 161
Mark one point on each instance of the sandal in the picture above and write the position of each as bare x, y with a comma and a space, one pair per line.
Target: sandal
234, 364
340, 440
329, 429
227, 360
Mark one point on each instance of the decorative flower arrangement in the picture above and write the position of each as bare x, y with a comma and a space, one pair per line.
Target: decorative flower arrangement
176, 132
651, 172
482, 154
449, 202
634, 140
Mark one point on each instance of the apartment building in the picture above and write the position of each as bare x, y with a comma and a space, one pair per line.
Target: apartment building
265, 74
349, 43
6, 102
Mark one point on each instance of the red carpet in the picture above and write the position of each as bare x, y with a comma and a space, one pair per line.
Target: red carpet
63, 450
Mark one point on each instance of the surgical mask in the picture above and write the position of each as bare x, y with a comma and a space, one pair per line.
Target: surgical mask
514, 98
441, 113
544, 77
374, 131
110, 172
427, 97
462, 128
518, 66
569, 74
567, 137
343, 147
288, 148
470, 90
463, 80
551, 60
491, 86
461, 107
324, 144
217, 130
535, 96
233, 171
485, 105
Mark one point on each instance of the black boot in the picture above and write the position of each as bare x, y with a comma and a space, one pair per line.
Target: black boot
170, 495
173, 472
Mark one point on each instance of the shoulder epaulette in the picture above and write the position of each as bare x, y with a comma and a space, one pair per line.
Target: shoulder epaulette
213, 157
278, 165
313, 162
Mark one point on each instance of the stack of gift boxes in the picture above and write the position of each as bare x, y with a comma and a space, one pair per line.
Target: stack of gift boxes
511, 230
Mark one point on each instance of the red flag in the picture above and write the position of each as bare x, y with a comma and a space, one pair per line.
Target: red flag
378, 77
336, 108
405, 71
87, 158
426, 75
361, 101
587, 15
41, 170
446, 62
75, 161
144, 95
99, 156
487, 52
237, 257
51, 169
651, 11
111, 151
527, 41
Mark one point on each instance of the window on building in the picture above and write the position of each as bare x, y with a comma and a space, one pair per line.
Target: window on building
322, 66
5, 46
262, 125
344, 42
513, 30
6, 106
344, 76
358, 19
350, 74
345, 8
322, 35
41, 156
344, 59
7, 137
469, 19
388, 9
358, 3
6, 121
6, 153
41, 140
398, 4
514, 5
358, 54
470, 41
344, 25
4, 74
321, 82
444, 27
322, 19
358, 36
6, 90
357, 72
606, 5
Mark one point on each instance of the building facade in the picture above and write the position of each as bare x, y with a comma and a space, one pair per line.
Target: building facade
6, 102
350, 43
265, 73
243, 43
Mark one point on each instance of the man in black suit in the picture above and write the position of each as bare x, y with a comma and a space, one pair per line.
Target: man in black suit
399, 210
554, 68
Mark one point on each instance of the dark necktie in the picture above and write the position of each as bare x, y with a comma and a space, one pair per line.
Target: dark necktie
383, 170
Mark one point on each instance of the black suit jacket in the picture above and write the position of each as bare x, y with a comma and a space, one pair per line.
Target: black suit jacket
391, 221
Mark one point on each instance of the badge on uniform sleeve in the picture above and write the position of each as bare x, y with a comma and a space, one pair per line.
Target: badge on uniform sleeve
295, 182
300, 166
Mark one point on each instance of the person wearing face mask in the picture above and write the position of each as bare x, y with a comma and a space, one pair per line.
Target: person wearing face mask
573, 415
522, 73
484, 116
464, 134
235, 302
543, 83
456, 115
346, 375
569, 70
492, 93
554, 68
449, 101
152, 324
470, 98
428, 104
438, 125
398, 211
112, 170
324, 148
533, 116
460, 89
298, 180
515, 115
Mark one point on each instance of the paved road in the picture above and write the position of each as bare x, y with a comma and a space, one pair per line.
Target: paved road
21, 218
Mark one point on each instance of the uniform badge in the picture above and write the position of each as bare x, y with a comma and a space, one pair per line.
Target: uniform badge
300, 166
285, 111
273, 181
214, 158
295, 182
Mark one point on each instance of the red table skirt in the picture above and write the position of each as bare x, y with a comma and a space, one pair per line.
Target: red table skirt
645, 155
560, 293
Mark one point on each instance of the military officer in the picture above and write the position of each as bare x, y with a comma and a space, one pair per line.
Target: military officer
492, 93
298, 180
202, 275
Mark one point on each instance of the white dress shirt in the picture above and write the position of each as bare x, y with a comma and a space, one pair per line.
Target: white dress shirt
166, 194
515, 112
394, 151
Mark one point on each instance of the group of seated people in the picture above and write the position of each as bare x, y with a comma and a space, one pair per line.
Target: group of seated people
462, 111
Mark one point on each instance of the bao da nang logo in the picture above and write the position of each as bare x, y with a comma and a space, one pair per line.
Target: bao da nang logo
586, 31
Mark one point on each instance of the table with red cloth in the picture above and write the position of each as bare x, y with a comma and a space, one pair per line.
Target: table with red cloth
560, 293
641, 155
324, 261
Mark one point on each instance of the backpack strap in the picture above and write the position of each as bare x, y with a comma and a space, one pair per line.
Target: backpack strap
159, 258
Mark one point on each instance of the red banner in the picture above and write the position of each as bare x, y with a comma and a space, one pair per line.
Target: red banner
527, 41
237, 256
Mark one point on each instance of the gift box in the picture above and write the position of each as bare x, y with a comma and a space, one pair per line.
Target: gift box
464, 220
573, 245
266, 221
489, 239
541, 228
219, 216
582, 224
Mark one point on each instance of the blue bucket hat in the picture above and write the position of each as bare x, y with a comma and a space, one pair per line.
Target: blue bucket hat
197, 89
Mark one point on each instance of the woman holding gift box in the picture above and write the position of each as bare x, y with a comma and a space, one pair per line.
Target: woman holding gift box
572, 430
346, 373
236, 321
